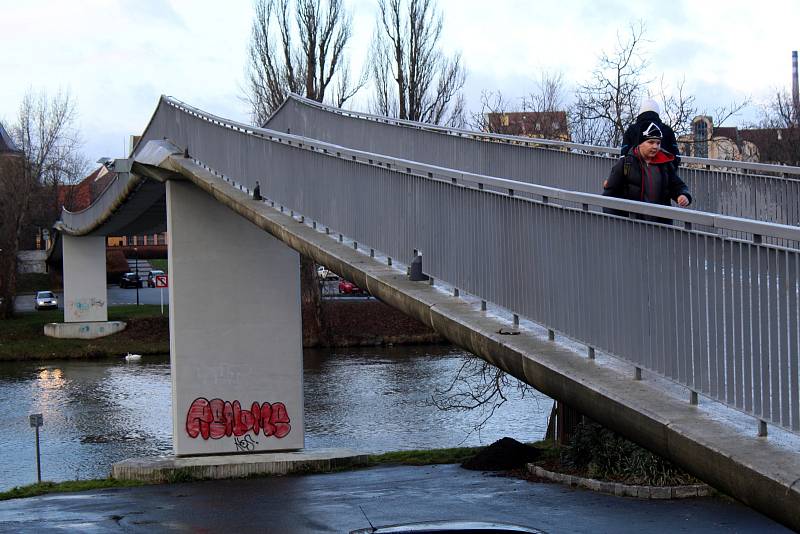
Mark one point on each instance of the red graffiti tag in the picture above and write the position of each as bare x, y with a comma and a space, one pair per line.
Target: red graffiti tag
217, 418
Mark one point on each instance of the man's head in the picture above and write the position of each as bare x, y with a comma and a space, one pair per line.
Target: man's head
649, 140
648, 104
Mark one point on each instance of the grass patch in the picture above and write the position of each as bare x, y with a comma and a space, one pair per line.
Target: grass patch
22, 337
455, 455
159, 264
32, 490
415, 457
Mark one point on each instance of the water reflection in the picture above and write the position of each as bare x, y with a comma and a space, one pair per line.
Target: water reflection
376, 399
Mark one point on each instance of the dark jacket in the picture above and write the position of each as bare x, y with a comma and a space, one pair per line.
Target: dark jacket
631, 137
656, 182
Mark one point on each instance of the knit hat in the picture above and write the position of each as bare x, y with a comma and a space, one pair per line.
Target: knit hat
649, 130
648, 104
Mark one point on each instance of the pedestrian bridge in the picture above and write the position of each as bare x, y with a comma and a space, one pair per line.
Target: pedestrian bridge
683, 337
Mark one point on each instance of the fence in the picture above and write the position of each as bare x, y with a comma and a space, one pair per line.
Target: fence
763, 192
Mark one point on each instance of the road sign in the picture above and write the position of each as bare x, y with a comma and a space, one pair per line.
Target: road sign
36, 420
161, 280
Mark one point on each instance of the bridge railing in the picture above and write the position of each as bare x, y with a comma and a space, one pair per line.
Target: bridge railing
758, 191
88, 219
716, 314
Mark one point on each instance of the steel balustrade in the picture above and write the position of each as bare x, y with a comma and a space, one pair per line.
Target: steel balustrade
768, 193
716, 314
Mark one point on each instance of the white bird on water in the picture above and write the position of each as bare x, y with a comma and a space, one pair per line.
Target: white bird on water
133, 357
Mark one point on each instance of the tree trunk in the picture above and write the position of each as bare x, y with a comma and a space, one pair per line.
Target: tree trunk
310, 303
7, 286
562, 424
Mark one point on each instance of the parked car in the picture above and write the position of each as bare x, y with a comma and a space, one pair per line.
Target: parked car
348, 288
326, 274
129, 280
447, 527
45, 300
150, 280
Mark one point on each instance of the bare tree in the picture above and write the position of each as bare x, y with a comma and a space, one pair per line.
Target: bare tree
49, 156
300, 47
607, 103
778, 112
548, 95
780, 115
412, 77
677, 107
491, 102
478, 385
545, 104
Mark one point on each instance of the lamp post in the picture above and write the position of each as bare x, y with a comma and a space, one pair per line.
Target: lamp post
136, 260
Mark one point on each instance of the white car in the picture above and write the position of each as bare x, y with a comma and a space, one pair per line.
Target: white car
46, 300
326, 274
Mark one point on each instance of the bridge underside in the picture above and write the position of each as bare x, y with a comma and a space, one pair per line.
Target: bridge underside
757, 471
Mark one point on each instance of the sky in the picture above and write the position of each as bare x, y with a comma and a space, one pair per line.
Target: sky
116, 57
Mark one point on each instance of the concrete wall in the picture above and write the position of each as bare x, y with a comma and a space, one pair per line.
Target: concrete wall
235, 331
85, 295
32, 261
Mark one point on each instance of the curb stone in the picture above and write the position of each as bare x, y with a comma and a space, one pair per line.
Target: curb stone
624, 490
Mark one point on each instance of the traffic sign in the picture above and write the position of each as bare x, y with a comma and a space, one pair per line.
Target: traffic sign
161, 280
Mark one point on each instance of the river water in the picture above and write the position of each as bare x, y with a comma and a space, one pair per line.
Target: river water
370, 399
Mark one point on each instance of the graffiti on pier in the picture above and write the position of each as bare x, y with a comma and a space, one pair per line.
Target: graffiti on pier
247, 443
217, 419
83, 306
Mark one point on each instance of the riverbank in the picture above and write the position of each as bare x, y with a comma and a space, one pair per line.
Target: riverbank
414, 457
22, 337
348, 323
362, 322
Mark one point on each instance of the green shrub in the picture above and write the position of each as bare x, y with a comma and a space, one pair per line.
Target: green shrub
606, 455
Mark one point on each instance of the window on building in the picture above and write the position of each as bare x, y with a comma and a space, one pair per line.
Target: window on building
504, 120
701, 139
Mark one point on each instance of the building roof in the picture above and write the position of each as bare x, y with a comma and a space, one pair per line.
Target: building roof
6, 143
75, 197
775, 145
542, 124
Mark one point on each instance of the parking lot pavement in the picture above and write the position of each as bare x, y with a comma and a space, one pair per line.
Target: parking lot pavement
340, 502
116, 297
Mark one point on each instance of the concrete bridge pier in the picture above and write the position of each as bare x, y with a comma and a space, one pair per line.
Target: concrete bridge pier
85, 294
235, 331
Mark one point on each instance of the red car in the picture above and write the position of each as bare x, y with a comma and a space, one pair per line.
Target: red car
346, 287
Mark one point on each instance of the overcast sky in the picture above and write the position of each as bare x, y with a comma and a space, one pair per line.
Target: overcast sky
117, 56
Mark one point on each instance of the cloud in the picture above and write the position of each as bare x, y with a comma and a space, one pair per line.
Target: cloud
153, 12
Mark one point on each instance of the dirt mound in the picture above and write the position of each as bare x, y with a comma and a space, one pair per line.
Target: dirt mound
506, 453
146, 329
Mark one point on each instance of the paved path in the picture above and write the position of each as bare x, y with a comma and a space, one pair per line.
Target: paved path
330, 503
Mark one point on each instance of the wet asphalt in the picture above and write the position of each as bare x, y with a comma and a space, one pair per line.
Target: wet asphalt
387, 495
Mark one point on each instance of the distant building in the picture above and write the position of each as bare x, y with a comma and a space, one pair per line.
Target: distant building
764, 145
7, 146
537, 124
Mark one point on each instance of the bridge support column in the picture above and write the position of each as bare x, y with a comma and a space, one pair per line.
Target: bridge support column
85, 294
235, 331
